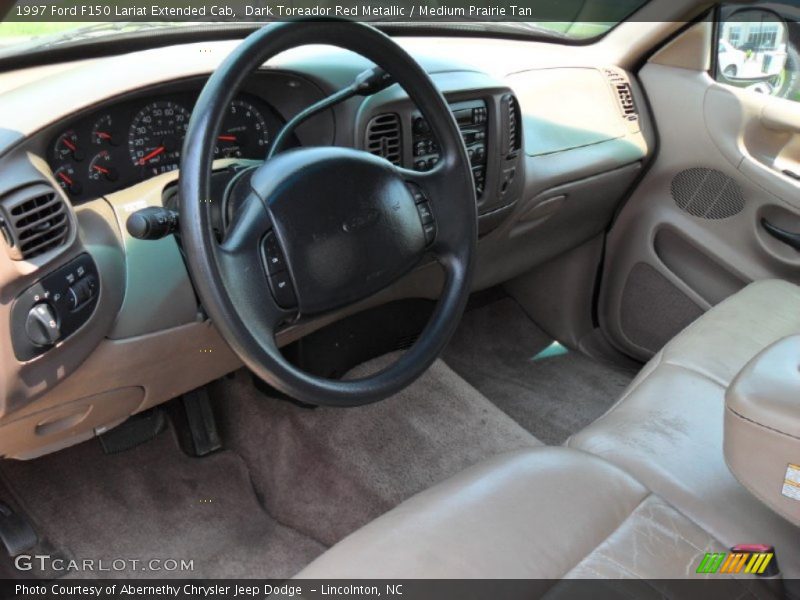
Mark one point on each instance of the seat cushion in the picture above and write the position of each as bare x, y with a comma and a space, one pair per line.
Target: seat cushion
721, 342
667, 430
537, 513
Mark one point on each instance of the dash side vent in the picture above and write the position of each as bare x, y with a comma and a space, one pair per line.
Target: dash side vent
33, 221
383, 137
624, 93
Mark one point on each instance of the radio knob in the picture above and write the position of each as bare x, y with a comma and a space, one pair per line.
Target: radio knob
41, 326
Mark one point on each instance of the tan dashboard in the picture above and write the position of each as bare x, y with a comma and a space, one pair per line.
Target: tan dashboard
145, 339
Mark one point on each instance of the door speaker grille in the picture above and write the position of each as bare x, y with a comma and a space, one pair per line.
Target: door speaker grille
707, 194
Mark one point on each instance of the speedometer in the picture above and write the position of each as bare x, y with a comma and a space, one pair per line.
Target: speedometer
244, 132
156, 135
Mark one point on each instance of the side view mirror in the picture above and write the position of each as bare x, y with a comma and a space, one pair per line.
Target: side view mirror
753, 48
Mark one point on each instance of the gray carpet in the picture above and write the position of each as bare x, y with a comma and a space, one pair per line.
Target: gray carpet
156, 502
550, 391
326, 472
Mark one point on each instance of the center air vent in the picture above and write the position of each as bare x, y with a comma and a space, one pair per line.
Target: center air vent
512, 139
383, 137
33, 220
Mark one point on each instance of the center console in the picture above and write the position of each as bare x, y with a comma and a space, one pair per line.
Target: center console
762, 427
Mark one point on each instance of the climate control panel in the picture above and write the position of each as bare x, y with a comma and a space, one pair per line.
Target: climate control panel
54, 307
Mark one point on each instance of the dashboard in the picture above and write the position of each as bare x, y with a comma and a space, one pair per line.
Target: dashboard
96, 325
126, 143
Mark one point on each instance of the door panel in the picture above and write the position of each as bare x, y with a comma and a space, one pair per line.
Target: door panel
692, 233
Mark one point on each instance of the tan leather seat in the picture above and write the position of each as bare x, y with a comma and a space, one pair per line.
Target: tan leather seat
538, 513
659, 498
667, 429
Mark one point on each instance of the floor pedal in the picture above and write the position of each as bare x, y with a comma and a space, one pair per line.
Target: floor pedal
16, 532
201, 421
137, 430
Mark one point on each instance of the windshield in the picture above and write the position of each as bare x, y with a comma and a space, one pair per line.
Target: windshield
21, 30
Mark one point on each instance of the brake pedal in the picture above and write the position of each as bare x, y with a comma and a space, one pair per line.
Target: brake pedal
201, 421
16, 532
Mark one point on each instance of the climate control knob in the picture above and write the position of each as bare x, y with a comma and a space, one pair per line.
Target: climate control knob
41, 326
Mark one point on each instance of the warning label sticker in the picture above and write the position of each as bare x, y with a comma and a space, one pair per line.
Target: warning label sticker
791, 484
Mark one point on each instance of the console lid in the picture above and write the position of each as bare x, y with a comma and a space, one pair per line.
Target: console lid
762, 427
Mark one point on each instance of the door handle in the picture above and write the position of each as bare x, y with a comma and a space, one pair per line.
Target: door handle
787, 237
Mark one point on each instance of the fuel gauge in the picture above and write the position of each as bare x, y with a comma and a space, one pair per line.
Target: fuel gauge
103, 132
101, 167
65, 175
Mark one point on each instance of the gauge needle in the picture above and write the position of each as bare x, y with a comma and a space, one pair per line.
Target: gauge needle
101, 169
65, 178
103, 135
70, 145
151, 155
226, 138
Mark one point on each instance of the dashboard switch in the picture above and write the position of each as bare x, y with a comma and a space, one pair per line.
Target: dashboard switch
41, 326
82, 291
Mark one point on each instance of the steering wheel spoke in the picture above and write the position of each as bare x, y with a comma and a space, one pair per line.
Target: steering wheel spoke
442, 215
259, 287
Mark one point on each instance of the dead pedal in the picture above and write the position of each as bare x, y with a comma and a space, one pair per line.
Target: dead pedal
137, 430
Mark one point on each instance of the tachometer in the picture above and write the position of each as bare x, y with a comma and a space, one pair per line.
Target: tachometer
156, 135
244, 132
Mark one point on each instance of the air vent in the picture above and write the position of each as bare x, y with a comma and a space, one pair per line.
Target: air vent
383, 137
33, 220
512, 141
622, 88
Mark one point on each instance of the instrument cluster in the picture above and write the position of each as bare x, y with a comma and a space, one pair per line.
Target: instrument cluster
134, 140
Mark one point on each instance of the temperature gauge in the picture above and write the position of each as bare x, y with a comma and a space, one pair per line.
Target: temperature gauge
103, 132
66, 147
101, 167
65, 176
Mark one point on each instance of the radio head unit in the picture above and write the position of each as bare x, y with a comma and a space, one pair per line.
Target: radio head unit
472, 119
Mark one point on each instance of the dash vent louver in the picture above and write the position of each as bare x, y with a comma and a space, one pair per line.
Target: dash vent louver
622, 88
384, 137
511, 126
33, 220
514, 126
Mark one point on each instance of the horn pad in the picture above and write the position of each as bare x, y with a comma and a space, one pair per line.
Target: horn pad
346, 222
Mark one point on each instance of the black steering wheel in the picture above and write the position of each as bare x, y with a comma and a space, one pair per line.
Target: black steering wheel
325, 227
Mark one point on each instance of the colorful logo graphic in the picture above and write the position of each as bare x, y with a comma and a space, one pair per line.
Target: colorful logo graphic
754, 559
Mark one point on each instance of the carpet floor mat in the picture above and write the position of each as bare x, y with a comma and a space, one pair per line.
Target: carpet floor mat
549, 390
328, 471
155, 502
